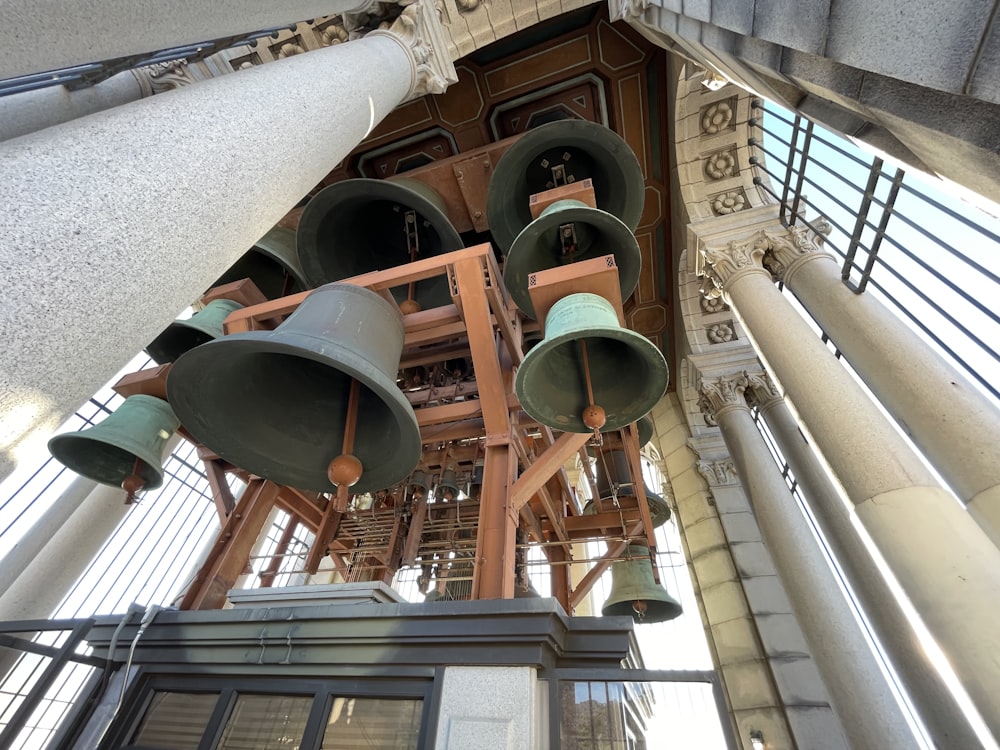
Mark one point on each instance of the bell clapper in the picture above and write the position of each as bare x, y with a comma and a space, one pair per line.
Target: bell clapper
346, 469
410, 304
567, 240
593, 415
639, 607
133, 483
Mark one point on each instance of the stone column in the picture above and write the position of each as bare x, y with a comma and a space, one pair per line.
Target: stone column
115, 222
43, 582
50, 34
955, 425
868, 711
948, 567
935, 703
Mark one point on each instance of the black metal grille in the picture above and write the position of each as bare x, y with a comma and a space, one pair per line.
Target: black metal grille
932, 259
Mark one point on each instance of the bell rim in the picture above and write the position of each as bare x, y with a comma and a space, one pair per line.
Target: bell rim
579, 132
311, 218
55, 446
294, 271
397, 403
628, 273
620, 334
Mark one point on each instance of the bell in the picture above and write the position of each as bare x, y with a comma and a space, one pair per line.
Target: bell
566, 232
272, 264
447, 488
558, 153
356, 226
419, 483
476, 478
627, 373
644, 427
634, 593
131, 441
182, 335
614, 480
276, 402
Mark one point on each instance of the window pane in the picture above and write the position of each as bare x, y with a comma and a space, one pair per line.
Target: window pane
266, 722
373, 724
176, 721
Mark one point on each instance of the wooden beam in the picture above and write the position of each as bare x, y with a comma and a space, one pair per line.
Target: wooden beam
587, 582
482, 342
547, 464
493, 576
431, 415
228, 558
221, 494
325, 533
295, 502
630, 439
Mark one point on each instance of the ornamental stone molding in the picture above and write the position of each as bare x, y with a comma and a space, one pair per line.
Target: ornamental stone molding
793, 247
761, 392
628, 10
720, 394
719, 473
723, 265
418, 30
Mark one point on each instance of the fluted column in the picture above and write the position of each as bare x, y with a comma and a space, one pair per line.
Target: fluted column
955, 425
945, 563
934, 702
49, 34
867, 709
115, 222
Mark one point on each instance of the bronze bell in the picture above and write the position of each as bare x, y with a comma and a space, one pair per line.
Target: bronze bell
614, 480
634, 593
419, 484
566, 232
272, 264
183, 335
275, 402
563, 152
130, 441
362, 225
447, 487
628, 373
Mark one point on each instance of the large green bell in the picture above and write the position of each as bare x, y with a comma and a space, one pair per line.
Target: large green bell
634, 593
628, 373
362, 225
272, 264
107, 452
592, 233
447, 486
563, 152
614, 480
200, 328
275, 402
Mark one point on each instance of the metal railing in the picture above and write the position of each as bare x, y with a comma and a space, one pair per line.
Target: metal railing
930, 258
90, 74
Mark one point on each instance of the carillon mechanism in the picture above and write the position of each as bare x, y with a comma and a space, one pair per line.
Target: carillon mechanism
415, 410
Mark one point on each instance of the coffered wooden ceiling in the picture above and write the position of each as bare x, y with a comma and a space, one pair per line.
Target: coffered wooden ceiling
577, 66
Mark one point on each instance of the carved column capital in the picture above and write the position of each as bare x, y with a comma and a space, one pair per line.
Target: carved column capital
793, 247
722, 394
719, 473
165, 76
761, 392
628, 10
418, 30
724, 264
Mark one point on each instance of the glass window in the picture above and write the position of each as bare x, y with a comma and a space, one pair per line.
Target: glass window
175, 721
266, 722
375, 723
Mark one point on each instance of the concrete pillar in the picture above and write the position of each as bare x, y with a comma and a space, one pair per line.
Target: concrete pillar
34, 110
948, 567
954, 424
489, 708
46, 35
43, 583
934, 702
35, 540
115, 222
868, 711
